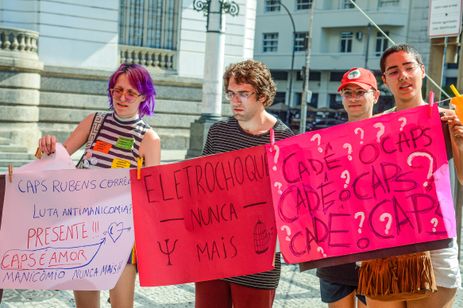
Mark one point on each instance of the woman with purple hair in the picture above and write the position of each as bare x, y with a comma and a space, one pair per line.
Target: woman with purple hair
116, 139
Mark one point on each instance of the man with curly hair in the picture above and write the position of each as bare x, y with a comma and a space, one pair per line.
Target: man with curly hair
249, 88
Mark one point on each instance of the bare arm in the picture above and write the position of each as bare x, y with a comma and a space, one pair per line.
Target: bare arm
76, 139
150, 148
456, 137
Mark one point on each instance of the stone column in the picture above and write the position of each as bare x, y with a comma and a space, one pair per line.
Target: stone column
20, 71
211, 108
214, 61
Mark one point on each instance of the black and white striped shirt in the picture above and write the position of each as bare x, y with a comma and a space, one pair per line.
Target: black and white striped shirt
117, 143
225, 136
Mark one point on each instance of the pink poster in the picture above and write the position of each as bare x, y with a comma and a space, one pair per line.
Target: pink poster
362, 186
203, 219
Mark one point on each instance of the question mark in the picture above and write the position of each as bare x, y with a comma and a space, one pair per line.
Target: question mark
404, 122
388, 217
423, 154
345, 175
362, 219
278, 184
434, 222
320, 250
380, 126
275, 157
319, 138
288, 232
362, 133
348, 147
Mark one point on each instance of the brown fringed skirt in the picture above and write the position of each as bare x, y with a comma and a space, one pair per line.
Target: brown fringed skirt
404, 277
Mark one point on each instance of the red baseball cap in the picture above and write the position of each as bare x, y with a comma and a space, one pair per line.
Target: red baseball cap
362, 77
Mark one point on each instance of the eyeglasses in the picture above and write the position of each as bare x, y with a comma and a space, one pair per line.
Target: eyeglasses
130, 95
354, 94
242, 95
395, 72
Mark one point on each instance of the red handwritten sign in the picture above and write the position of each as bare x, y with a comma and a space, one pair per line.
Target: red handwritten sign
362, 186
203, 219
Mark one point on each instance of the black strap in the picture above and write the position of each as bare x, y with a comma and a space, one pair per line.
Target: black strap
97, 124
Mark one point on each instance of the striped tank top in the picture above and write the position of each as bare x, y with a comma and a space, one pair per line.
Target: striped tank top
116, 142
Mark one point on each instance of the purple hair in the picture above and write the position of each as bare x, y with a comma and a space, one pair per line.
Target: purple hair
140, 79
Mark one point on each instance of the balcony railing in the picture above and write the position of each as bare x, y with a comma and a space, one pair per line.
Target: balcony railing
18, 40
150, 57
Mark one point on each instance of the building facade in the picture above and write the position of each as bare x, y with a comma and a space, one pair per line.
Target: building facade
168, 35
341, 38
56, 57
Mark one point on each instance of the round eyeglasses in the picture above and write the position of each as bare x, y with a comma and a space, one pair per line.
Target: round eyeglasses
242, 95
129, 95
395, 72
354, 94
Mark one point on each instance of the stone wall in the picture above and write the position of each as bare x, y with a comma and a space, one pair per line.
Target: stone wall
69, 95
20, 71
37, 99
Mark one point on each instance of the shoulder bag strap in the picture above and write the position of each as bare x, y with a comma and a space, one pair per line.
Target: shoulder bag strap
95, 129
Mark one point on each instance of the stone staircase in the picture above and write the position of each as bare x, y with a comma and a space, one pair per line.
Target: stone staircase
12, 154
61, 97
67, 96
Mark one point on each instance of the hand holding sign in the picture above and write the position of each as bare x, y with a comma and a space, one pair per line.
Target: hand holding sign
375, 196
59, 160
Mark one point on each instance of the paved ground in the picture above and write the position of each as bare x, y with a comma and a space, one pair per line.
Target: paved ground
296, 290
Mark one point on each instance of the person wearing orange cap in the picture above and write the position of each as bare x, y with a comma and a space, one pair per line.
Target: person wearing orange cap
338, 284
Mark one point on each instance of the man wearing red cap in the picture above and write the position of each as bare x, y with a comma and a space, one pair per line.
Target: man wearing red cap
359, 92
